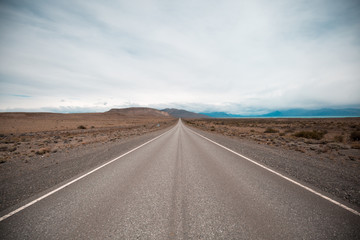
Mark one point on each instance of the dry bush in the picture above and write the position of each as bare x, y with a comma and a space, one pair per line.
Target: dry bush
355, 136
42, 151
355, 146
12, 149
3, 160
317, 135
339, 138
270, 130
3, 148
290, 130
81, 127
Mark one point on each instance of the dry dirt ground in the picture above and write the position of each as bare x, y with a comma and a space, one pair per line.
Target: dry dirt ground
337, 139
28, 135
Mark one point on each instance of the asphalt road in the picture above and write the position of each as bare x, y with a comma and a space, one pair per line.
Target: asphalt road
181, 186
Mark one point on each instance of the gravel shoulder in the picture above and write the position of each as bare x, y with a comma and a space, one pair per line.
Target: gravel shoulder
21, 180
332, 177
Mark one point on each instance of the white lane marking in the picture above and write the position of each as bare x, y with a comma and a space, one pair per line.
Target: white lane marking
77, 179
280, 175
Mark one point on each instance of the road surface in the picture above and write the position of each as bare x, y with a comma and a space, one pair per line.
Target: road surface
180, 186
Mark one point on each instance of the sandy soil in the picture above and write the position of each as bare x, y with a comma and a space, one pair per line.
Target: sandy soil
25, 135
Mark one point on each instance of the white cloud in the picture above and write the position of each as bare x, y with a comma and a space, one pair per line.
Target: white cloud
232, 55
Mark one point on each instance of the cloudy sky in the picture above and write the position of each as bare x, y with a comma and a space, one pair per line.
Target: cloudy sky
246, 56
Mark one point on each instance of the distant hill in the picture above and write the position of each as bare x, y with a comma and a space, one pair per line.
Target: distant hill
139, 112
325, 112
179, 113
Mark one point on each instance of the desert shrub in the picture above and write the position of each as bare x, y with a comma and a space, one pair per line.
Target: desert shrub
252, 130
282, 134
270, 130
12, 149
355, 146
339, 138
212, 128
355, 136
317, 135
290, 130
42, 151
81, 127
3, 148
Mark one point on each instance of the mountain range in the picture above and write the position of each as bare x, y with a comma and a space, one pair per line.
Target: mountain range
180, 113
325, 112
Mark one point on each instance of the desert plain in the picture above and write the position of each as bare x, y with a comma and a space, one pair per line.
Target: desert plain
27, 135
333, 138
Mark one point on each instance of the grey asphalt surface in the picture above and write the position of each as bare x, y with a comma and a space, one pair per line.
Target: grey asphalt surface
181, 186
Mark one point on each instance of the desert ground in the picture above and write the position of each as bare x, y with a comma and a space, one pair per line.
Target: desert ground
335, 138
27, 135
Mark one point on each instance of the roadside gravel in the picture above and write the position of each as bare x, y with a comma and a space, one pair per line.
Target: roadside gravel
337, 178
22, 180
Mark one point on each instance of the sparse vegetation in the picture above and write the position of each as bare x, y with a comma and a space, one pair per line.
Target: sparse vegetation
2, 160
355, 146
12, 149
42, 151
331, 138
3, 148
32, 135
355, 136
270, 130
317, 135
290, 130
339, 138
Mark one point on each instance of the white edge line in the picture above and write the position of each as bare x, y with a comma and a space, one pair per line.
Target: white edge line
280, 175
77, 179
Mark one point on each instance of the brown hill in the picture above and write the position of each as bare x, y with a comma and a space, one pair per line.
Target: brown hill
139, 112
